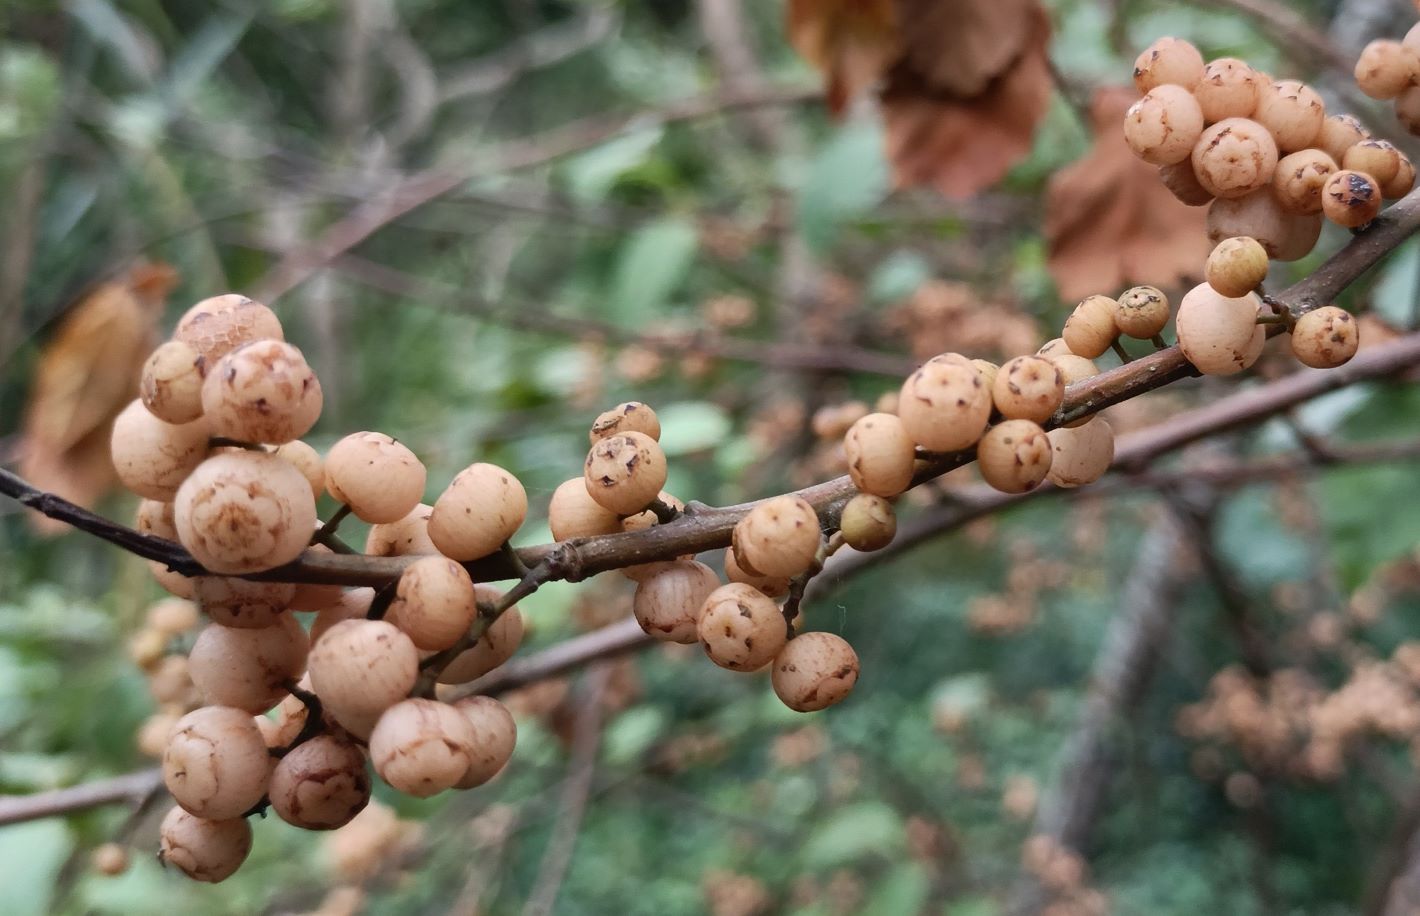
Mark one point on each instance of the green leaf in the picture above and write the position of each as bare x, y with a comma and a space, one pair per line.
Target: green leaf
857, 831
848, 178
898, 277
1399, 287
1367, 525
904, 890
692, 426
30, 858
652, 266
973, 906
591, 176
632, 733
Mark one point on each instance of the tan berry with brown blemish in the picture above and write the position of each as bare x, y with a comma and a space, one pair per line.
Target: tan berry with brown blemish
494, 647
1325, 338
374, 474
625, 472
1407, 109
1219, 334
243, 512
152, 457
216, 765
1014, 456
1090, 329
1082, 455
234, 602
988, 371
867, 522
1351, 199
773, 586
572, 513
215, 327
405, 537
1234, 157
1142, 313
248, 668
321, 784
945, 404
204, 850
814, 671
171, 382
1299, 178
741, 628
480, 509
1183, 184
1227, 89
360, 668
1029, 388
1386, 68
156, 519
1302, 233
1236, 266
1162, 127
1402, 183
433, 603
631, 417
495, 735
1168, 61
880, 454
1340, 132
669, 597
422, 747
1377, 158
1292, 111
263, 391
306, 460
1257, 216
778, 537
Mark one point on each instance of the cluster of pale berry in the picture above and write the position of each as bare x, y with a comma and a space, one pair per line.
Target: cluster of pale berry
1262, 153
776, 546
265, 712
1269, 163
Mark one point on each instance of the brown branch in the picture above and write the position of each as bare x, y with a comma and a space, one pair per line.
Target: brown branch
710, 528
131, 787
627, 636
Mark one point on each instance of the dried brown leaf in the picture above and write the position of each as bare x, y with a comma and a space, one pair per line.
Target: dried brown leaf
852, 41
87, 372
1109, 221
963, 144
960, 47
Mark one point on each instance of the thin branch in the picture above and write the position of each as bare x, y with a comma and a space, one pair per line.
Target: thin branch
131, 788
627, 636
711, 528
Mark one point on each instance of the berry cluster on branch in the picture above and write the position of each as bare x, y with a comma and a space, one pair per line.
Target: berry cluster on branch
265, 712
